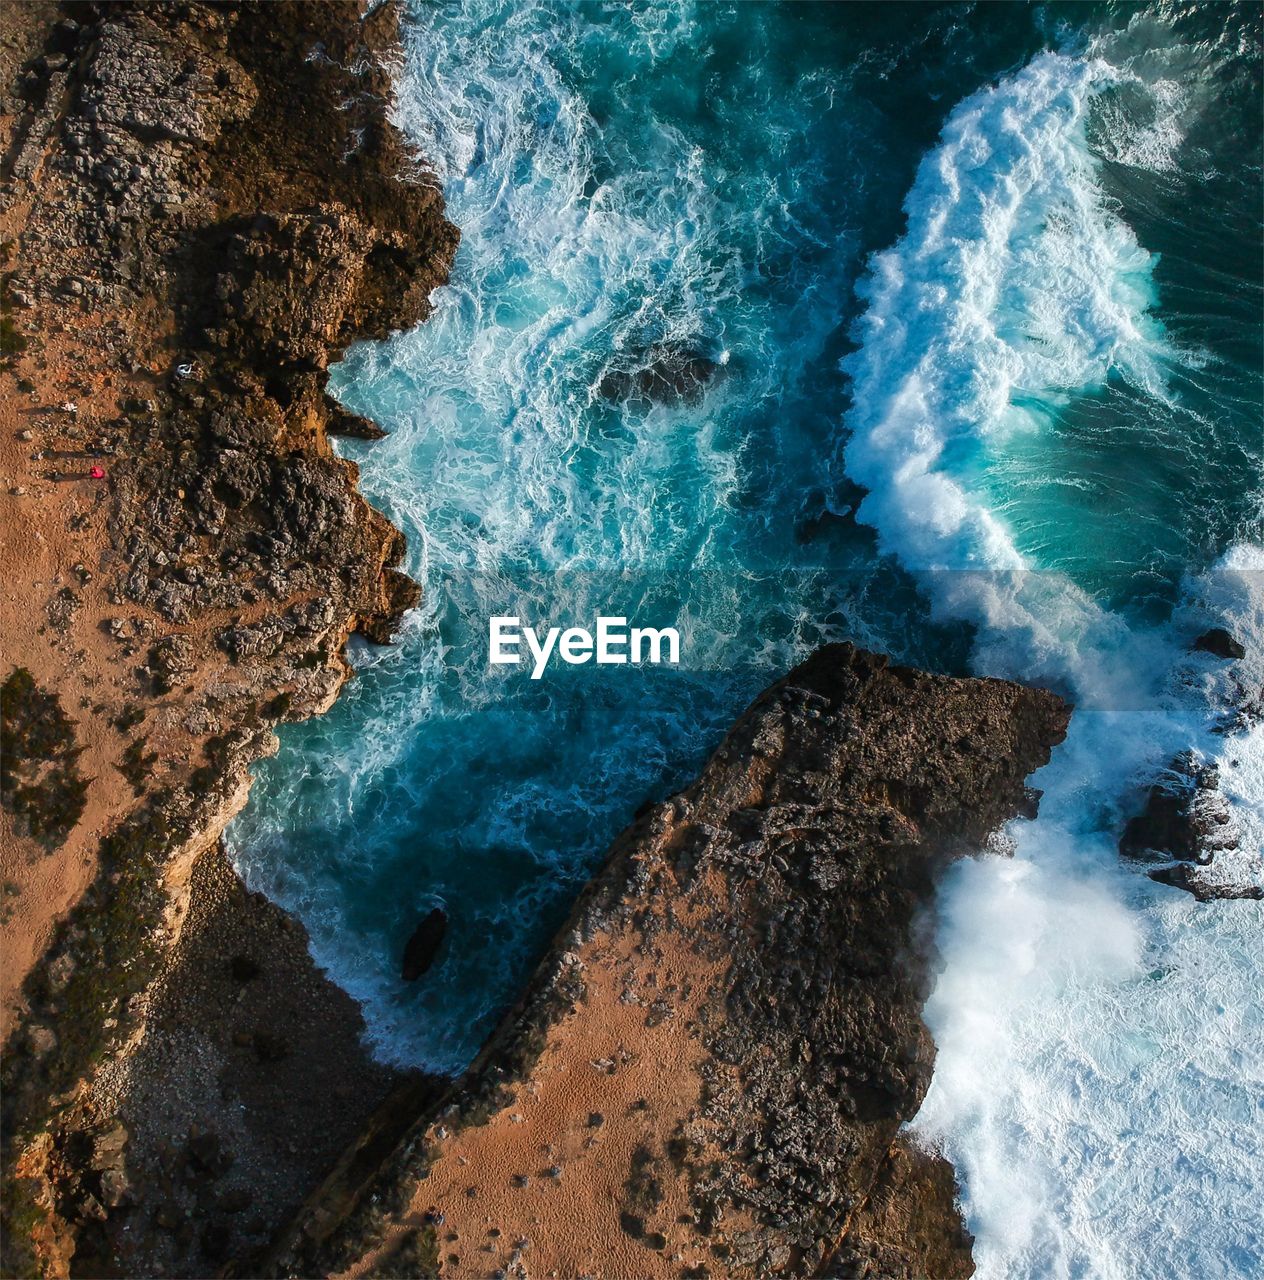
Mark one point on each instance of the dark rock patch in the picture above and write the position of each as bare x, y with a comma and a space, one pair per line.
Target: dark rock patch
1185, 817
1187, 877
244, 968
668, 376
1220, 643
40, 782
421, 949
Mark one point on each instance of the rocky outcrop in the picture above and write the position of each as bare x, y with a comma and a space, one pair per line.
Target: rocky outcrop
908, 1225
1183, 876
1187, 818
1220, 644
205, 203
709, 1072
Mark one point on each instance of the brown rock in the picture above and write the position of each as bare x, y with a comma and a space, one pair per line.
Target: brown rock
773, 906
353, 425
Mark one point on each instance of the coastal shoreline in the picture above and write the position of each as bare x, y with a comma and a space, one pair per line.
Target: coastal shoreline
710, 1069
204, 208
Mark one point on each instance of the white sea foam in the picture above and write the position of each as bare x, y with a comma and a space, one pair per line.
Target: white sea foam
1100, 1069
1014, 281
1100, 1064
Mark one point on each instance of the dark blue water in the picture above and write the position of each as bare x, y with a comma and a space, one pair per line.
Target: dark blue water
974, 298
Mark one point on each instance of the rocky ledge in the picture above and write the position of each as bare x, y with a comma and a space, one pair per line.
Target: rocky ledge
709, 1073
1186, 821
204, 204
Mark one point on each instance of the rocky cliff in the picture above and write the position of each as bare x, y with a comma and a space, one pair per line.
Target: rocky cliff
709, 1072
204, 205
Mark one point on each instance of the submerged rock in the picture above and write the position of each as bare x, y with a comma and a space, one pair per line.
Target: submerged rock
423, 946
669, 376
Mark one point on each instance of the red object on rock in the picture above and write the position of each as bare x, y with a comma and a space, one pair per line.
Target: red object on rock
97, 473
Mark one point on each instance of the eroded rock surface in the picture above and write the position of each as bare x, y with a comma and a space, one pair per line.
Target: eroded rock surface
1220, 644
1187, 818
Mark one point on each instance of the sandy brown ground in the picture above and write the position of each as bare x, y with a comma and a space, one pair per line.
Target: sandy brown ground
160, 167
76, 377
38, 551
52, 535
708, 1074
542, 1186
55, 398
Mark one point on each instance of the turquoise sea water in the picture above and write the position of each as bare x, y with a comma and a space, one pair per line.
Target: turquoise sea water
981, 291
